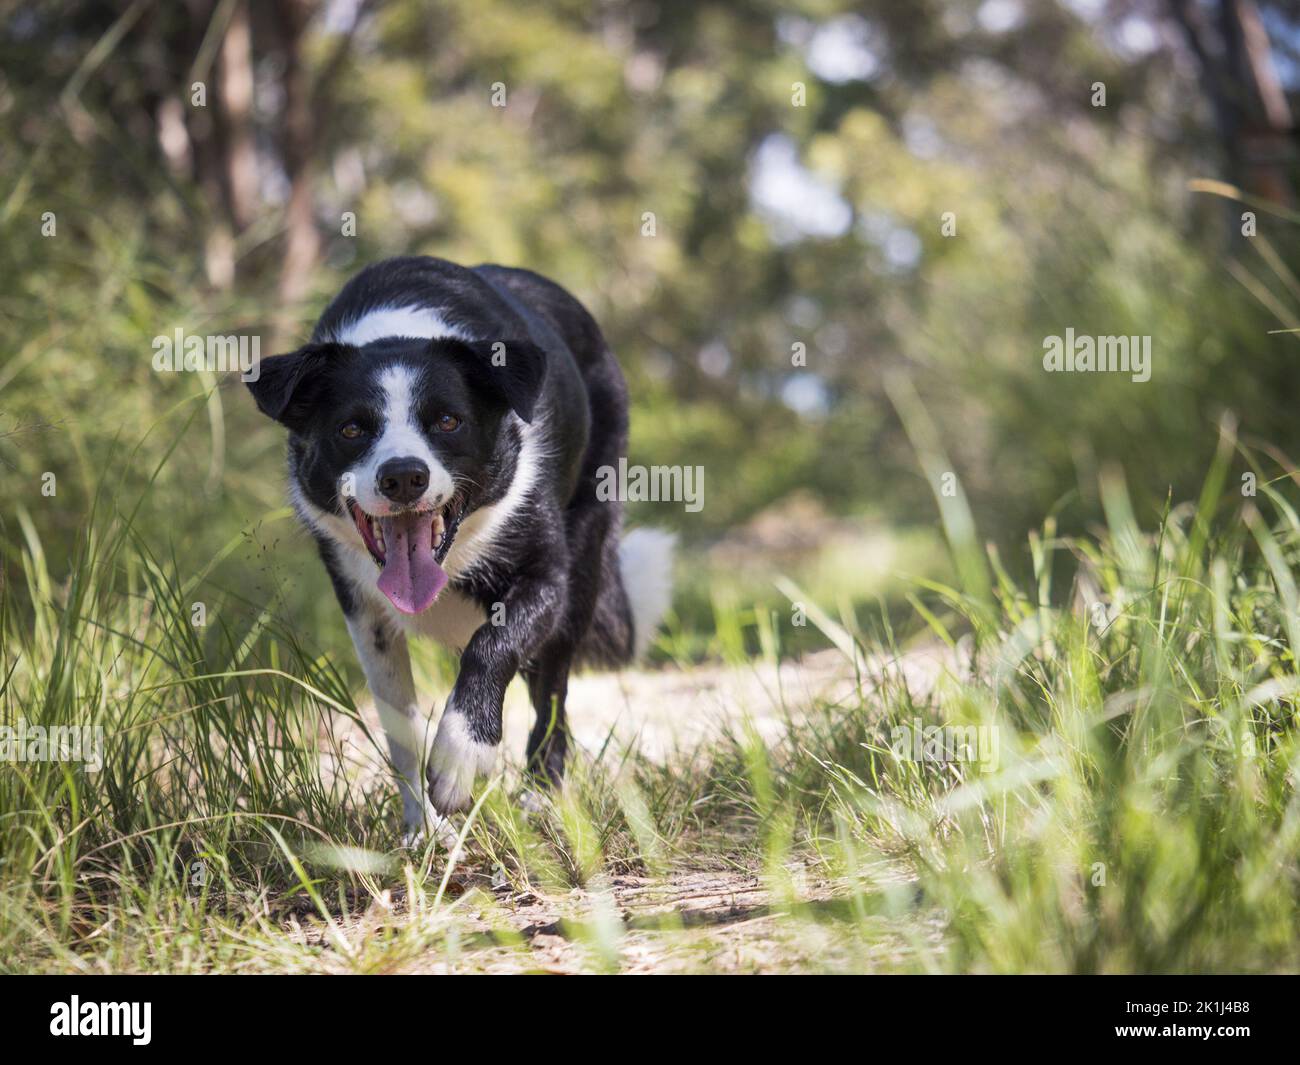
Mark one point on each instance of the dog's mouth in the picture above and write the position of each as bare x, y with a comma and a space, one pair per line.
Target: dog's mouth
409, 548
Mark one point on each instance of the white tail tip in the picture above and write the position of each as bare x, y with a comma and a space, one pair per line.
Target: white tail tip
645, 558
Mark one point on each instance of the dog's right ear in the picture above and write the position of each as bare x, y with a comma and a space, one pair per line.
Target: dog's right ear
283, 387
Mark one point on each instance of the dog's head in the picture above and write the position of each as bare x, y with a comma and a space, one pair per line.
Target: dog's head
399, 438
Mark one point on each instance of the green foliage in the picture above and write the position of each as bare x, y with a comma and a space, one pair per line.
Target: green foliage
1155, 751
1067, 215
1136, 810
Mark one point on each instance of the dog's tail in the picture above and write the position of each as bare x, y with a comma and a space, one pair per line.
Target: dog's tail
636, 589
645, 564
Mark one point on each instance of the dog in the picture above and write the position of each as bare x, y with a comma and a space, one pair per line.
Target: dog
446, 429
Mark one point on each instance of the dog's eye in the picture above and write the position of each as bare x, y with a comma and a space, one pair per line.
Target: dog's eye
447, 423
351, 431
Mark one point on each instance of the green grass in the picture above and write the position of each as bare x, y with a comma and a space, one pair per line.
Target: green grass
1142, 815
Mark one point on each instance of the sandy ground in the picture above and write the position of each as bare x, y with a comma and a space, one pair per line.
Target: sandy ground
665, 710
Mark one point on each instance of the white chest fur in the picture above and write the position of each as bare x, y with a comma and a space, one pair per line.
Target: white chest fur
451, 621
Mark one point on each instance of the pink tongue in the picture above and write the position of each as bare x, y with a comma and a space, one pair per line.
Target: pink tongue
411, 578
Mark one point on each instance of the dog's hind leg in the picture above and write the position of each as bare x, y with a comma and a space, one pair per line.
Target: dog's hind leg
591, 525
548, 743
387, 666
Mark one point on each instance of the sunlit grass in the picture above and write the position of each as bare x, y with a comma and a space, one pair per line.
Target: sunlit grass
1141, 813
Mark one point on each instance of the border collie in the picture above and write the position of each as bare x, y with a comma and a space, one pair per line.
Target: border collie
446, 426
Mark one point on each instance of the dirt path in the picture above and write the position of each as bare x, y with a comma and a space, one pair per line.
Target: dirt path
669, 709
692, 921
717, 919
663, 711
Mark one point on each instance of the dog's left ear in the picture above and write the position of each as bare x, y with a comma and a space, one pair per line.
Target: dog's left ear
282, 387
514, 370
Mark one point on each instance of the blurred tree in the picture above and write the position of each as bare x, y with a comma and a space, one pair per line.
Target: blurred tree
768, 207
1253, 115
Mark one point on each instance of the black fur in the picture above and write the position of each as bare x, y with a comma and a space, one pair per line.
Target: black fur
555, 566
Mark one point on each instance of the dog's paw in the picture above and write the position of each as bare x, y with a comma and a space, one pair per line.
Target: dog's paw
427, 824
455, 761
414, 839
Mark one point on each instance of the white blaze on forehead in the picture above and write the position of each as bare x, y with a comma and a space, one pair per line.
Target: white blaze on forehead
401, 436
383, 322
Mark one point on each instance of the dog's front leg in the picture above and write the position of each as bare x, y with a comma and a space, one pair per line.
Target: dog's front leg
470, 729
387, 666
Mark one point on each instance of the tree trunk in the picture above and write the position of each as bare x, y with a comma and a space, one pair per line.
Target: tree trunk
298, 144
1251, 111
235, 88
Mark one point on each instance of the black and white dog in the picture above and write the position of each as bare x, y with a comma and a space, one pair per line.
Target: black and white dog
446, 426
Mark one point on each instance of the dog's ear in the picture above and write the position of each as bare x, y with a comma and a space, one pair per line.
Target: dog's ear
513, 370
283, 387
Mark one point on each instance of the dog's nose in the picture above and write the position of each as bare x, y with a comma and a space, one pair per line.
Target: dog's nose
403, 480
